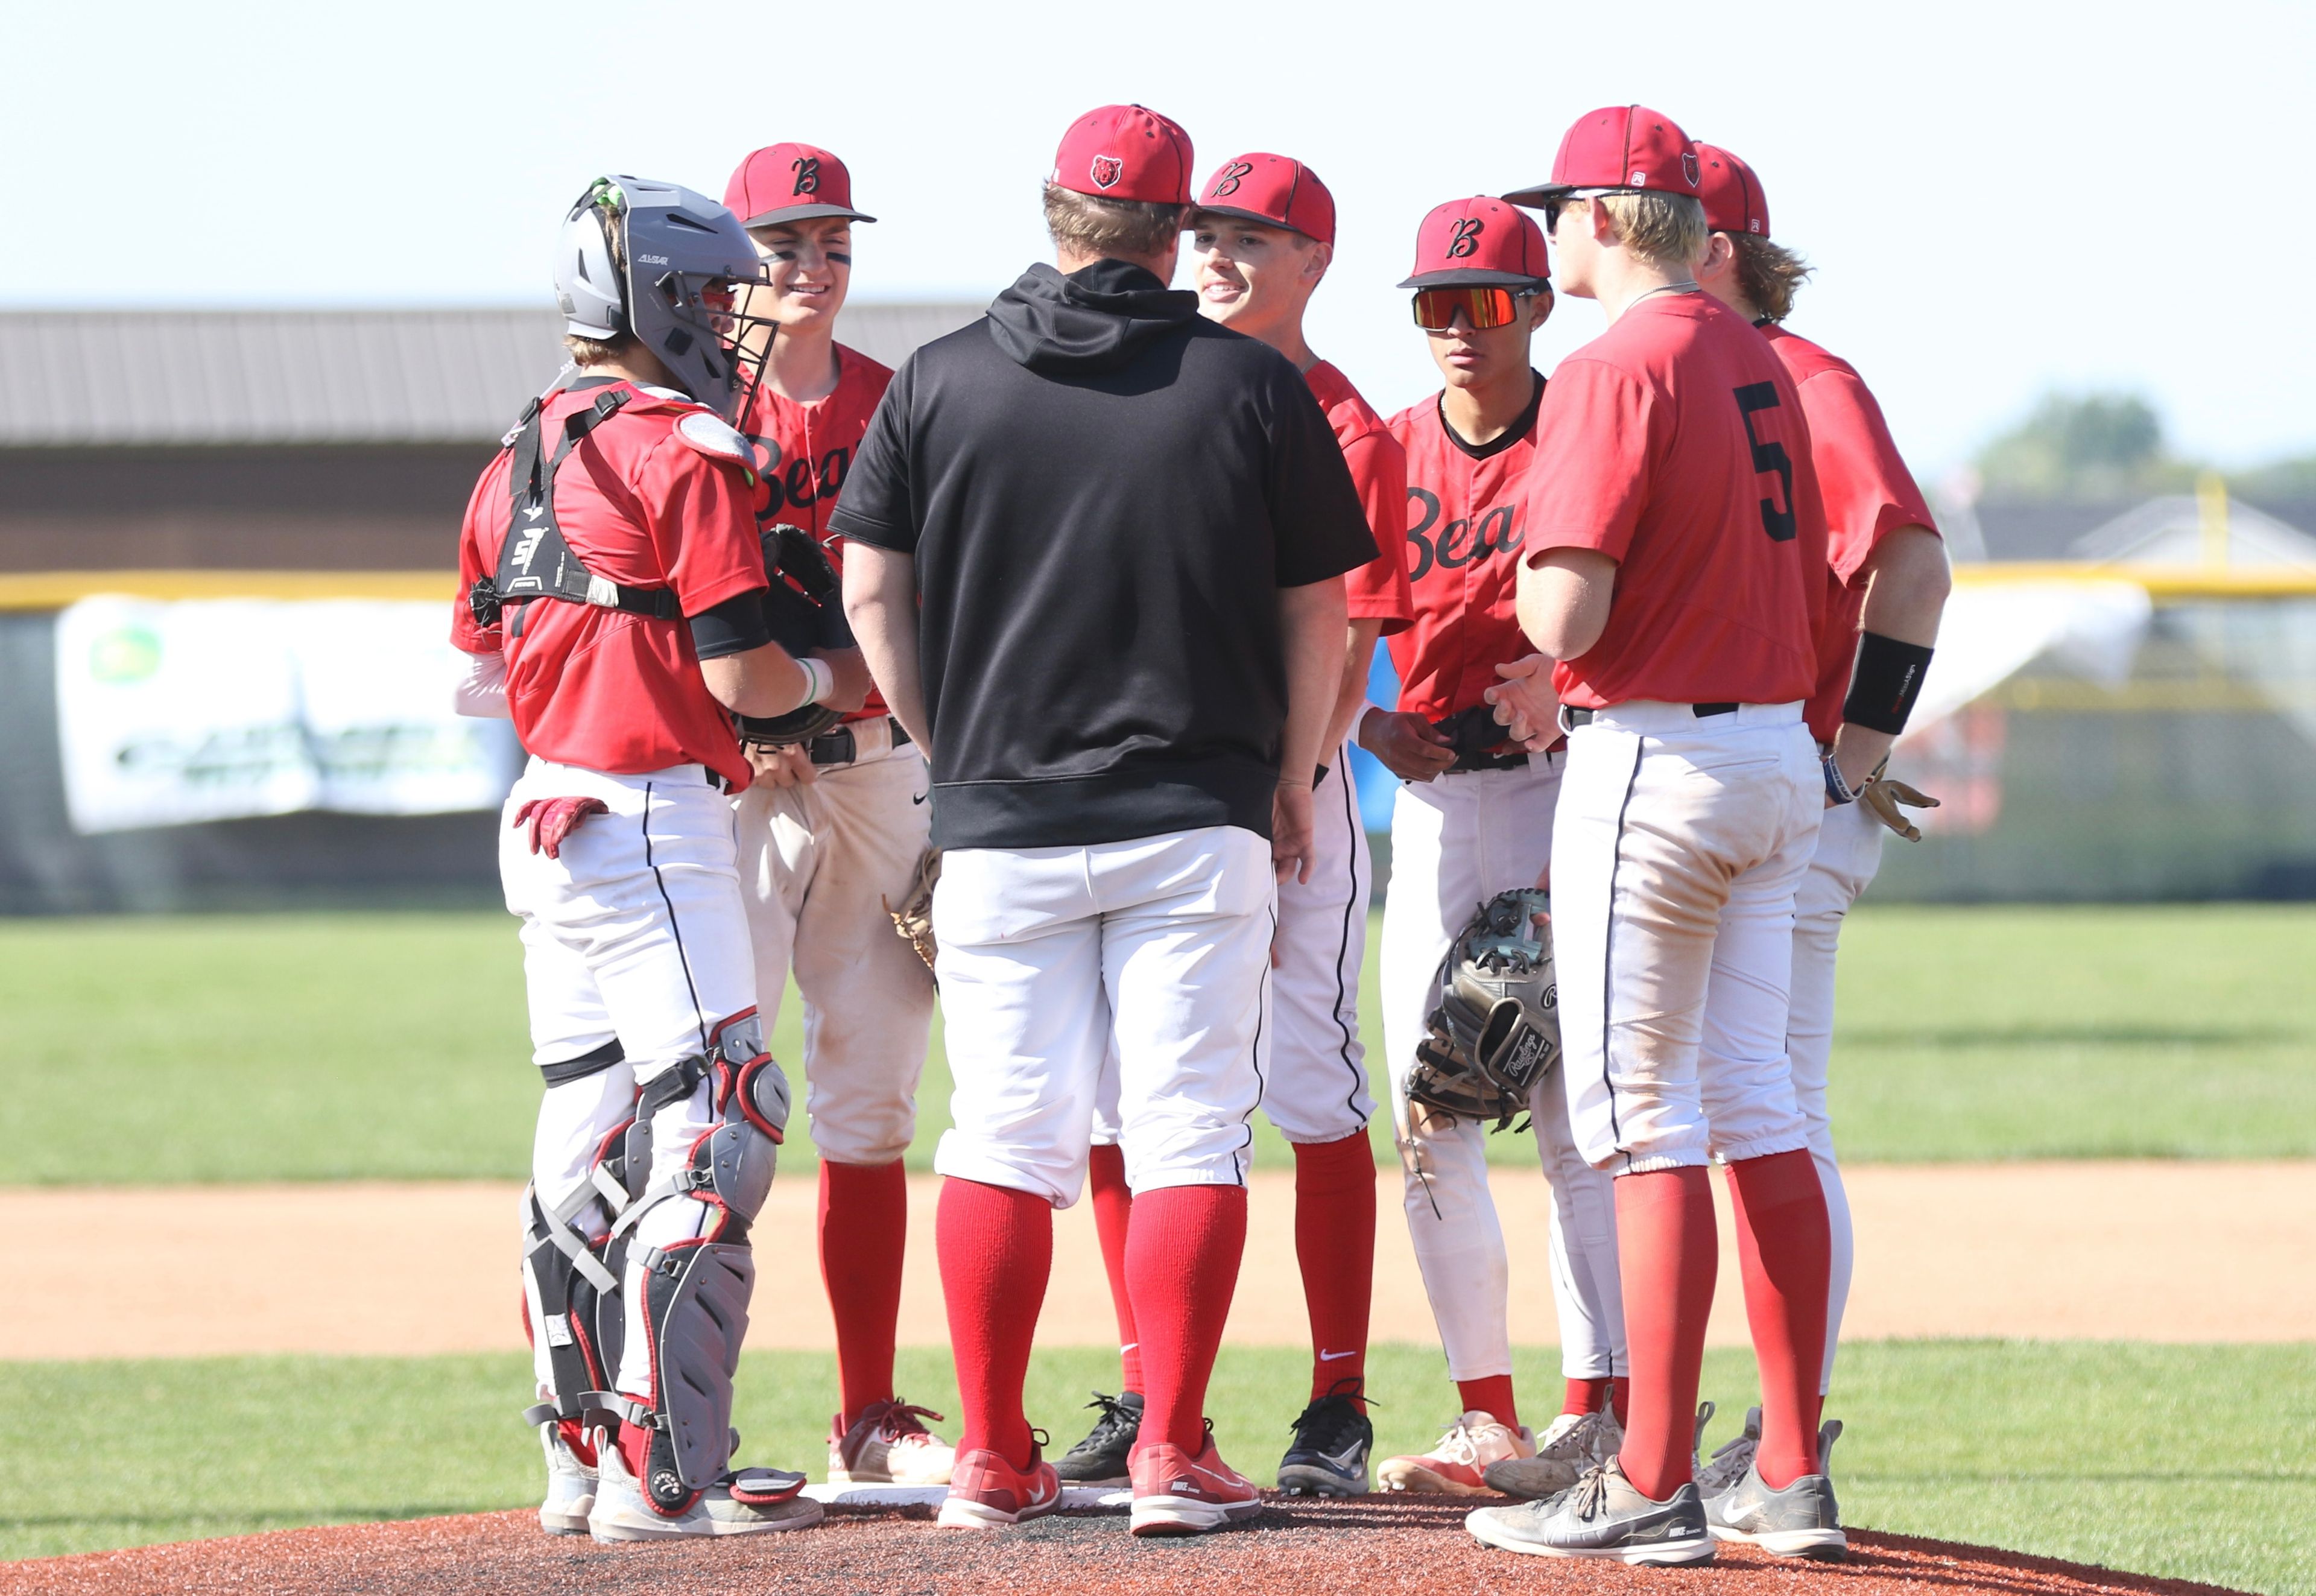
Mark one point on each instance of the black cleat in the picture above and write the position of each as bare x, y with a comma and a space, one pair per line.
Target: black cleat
1099, 1460
1329, 1455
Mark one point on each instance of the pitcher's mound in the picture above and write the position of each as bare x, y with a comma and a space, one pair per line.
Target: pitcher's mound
1414, 1544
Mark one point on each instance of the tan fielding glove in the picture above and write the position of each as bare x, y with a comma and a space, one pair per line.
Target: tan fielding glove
914, 918
1882, 797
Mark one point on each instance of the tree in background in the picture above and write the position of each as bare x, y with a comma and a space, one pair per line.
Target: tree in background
2083, 446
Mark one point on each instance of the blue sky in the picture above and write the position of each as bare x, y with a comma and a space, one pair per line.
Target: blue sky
2000, 198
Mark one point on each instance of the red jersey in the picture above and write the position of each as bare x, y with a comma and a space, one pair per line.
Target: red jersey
644, 506
1377, 590
1868, 495
1674, 444
1463, 529
808, 447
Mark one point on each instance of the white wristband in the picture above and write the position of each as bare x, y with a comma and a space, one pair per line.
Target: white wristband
820, 679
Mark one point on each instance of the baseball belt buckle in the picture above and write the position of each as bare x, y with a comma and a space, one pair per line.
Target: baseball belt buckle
839, 747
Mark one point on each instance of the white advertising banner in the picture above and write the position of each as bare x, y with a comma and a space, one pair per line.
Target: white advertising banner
216, 710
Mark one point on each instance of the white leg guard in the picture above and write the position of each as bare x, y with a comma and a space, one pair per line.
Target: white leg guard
716, 1124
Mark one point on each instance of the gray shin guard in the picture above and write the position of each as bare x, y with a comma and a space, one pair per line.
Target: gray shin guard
695, 1293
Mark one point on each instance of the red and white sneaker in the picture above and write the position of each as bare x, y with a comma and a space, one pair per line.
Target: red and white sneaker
889, 1445
1458, 1465
987, 1492
1175, 1493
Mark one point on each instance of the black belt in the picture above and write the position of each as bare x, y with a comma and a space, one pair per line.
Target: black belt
1490, 761
1577, 718
840, 747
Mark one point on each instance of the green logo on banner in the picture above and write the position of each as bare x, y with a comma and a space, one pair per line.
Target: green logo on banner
129, 654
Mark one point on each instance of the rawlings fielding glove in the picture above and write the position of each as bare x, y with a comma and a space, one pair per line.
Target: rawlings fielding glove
914, 918
803, 612
1496, 1032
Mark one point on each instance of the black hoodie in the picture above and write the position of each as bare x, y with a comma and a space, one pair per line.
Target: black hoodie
1103, 493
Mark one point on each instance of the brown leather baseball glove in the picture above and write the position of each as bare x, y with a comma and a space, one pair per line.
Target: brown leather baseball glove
914, 918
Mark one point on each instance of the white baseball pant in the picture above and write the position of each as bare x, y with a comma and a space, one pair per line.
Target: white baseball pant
637, 934
1679, 843
1314, 1075
1156, 949
818, 862
1848, 853
1455, 842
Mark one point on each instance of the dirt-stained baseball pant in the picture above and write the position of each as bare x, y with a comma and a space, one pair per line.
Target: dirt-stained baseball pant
1157, 949
1678, 846
1849, 853
1455, 842
1315, 1073
818, 862
636, 933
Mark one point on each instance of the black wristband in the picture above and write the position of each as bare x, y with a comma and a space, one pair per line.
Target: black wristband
1885, 683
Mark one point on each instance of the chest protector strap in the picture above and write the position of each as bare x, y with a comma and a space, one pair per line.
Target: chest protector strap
535, 562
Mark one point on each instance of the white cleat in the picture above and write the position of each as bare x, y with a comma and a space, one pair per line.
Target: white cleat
570, 1486
745, 1502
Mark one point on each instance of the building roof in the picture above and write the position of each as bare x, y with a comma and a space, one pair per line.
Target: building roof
108, 378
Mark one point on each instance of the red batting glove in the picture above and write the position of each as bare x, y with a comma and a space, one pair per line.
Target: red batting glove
553, 820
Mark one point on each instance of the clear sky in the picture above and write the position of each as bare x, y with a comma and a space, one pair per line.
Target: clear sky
2000, 198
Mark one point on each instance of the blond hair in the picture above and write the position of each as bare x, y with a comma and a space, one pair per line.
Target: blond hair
1129, 229
1662, 229
1767, 274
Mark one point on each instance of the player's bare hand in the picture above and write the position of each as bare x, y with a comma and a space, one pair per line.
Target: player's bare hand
785, 766
553, 820
1881, 796
1525, 706
1406, 744
1292, 842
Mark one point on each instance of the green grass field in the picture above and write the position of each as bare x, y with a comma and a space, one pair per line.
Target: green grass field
326, 1047
2202, 1472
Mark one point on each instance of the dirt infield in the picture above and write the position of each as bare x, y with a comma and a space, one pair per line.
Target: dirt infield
1396, 1543
2096, 1250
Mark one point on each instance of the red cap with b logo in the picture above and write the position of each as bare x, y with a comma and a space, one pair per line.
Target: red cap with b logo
1125, 152
1478, 242
1620, 146
1274, 191
1733, 200
790, 182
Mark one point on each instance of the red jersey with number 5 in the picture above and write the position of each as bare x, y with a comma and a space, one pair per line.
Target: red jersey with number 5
808, 447
1674, 444
1463, 533
1868, 491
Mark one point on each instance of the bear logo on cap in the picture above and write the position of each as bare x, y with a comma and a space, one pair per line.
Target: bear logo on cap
1106, 171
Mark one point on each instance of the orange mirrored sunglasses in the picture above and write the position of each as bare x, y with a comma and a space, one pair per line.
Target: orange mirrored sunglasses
1482, 307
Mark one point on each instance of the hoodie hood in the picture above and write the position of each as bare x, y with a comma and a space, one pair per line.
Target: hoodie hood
1096, 319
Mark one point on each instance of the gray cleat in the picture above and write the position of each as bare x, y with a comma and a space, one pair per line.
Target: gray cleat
1732, 1458
1573, 1444
1801, 1521
1602, 1515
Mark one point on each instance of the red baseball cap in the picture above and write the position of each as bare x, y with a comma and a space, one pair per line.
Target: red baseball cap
790, 182
1125, 152
1733, 200
1274, 191
1619, 147
1479, 243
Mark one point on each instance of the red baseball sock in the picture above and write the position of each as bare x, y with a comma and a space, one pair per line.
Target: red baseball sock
1113, 1210
864, 1233
1181, 1263
1583, 1396
997, 1249
1785, 1246
1620, 1397
1491, 1396
1666, 1244
1334, 1242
